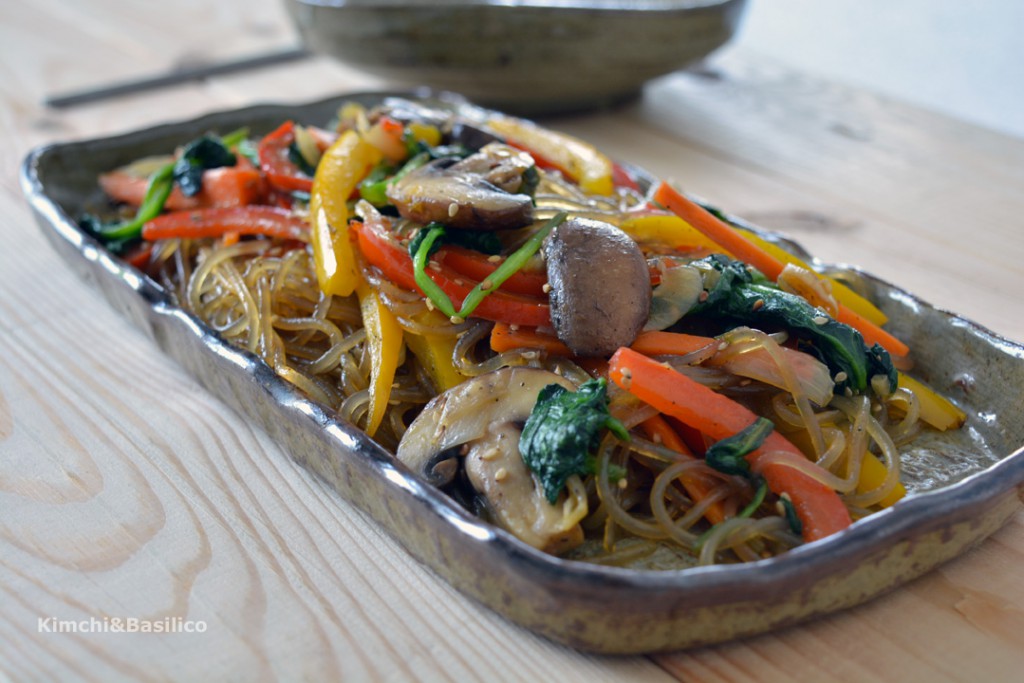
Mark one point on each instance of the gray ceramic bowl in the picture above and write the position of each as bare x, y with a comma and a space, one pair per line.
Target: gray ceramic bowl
524, 56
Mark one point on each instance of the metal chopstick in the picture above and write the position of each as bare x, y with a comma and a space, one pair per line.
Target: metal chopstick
174, 77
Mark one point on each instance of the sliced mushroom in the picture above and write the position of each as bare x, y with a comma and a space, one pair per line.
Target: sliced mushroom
498, 164
480, 192
481, 419
515, 501
600, 286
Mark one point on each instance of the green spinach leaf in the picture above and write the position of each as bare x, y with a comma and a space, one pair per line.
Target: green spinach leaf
562, 432
197, 156
741, 295
729, 455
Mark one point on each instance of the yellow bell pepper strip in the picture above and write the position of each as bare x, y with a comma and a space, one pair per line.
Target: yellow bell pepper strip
936, 411
665, 230
872, 474
435, 352
384, 336
425, 133
579, 160
342, 166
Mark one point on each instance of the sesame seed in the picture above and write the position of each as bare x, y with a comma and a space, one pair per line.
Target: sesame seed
546, 288
453, 209
494, 258
486, 284
456, 320
430, 305
434, 265
514, 327
530, 355
501, 474
819, 320
841, 377
723, 346
622, 483
758, 305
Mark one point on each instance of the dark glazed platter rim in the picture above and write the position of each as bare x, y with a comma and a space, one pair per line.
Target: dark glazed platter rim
627, 593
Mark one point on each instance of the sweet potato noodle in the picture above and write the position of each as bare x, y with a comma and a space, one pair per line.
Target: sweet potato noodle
656, 482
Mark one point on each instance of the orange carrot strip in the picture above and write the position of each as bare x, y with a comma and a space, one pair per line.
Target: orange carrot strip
873, 334
131, 189
222, 187
819, 508
504, 338
743, 249
657, 343
227, 186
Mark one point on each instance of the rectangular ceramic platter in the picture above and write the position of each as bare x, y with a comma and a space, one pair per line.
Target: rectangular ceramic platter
964, 485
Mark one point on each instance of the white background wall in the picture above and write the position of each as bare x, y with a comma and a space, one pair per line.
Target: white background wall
964, 58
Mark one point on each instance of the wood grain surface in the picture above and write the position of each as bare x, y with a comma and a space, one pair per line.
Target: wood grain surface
127, 491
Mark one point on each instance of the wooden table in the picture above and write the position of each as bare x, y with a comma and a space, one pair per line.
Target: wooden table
125, 490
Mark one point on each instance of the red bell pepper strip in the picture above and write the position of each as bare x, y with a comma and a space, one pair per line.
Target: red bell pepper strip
396, 264
281, 171
477, 266
249, 220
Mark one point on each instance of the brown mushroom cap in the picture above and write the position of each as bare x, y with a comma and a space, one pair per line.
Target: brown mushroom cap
600, 286
479, 192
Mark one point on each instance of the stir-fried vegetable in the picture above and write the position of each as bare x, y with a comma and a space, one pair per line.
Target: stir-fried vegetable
435, 352
729, 455
196, 157
249, 220
395, 263
158, 189
221, 188
745, 250
341, 168
278, 162
510, 312
384, 337
562, 432
473, 299
740, 296
579, 160
936, 410
820, 510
